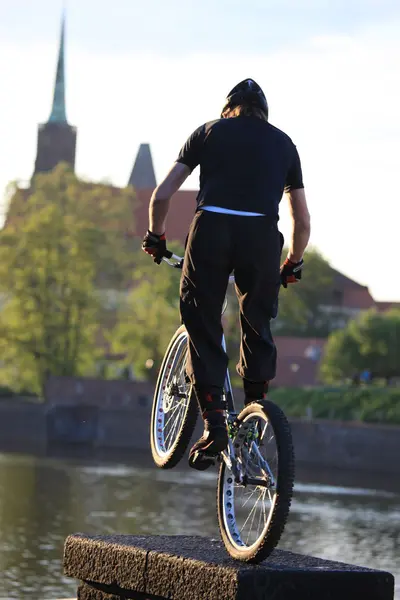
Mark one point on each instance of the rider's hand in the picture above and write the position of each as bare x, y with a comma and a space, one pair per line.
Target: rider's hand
155, 245
291, 272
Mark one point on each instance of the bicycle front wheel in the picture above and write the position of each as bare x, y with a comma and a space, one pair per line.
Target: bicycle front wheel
254, 499
174, 413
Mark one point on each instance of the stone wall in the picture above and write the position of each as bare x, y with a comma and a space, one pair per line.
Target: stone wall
67, 391
115, 415
22, 425
99, 413
357, 446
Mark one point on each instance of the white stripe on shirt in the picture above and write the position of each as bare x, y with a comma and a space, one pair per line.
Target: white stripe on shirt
228, 211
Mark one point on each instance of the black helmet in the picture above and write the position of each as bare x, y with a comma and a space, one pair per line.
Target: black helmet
246, 92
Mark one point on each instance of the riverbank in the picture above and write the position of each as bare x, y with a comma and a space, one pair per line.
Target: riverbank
93, 430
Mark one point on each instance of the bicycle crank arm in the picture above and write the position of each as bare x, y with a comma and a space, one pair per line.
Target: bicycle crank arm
258, 481
202, 461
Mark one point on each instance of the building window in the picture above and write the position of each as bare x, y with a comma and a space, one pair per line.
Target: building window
337, 297
313, 353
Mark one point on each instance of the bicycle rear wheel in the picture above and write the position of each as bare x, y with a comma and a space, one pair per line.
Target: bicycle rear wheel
252, 513
174, 413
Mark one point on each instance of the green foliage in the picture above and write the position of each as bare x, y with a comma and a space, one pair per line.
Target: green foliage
150, 316
370, 342
369, 404
6, 393
301, 306
59, 246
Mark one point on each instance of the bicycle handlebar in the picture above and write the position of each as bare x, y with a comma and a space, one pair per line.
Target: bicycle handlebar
178, 260
177, 263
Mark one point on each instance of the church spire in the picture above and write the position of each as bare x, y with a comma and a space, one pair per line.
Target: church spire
58, 114
56, 139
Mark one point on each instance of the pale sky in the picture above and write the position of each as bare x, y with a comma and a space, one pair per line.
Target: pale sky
154, 71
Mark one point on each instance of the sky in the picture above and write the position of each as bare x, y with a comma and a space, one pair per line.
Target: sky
154, 71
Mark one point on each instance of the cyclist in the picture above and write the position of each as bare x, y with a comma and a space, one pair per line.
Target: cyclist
246, 164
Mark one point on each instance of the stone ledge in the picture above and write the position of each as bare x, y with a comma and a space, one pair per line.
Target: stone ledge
197, 568
87, 592
92, 591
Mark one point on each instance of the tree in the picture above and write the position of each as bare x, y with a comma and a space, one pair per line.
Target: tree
369, 343
61, 243
150, 316
341, 358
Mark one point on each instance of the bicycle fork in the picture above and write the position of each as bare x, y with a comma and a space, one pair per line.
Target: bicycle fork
236, 467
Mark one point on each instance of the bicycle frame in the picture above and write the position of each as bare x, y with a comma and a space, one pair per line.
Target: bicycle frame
228, 456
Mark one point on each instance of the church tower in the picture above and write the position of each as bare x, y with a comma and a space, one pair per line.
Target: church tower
56, 138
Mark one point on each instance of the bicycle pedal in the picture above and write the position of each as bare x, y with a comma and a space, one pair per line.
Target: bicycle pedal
201, 461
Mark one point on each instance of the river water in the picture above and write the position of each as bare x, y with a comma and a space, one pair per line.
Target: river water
42, 500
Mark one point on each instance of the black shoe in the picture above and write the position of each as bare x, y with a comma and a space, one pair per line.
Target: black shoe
213, 441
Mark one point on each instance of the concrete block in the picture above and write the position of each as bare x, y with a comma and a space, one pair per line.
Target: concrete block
89, 592
197, 568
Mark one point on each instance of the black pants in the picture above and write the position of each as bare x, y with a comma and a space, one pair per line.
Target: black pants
217, 245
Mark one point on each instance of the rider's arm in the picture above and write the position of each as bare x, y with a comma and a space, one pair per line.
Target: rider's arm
188, 159
298, 209
159, 203
300, 224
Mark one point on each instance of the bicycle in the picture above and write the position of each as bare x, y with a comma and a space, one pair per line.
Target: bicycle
244, 472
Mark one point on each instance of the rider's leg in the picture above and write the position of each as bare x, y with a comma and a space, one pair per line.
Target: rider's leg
205, 275
215, 435
257, 285
254, 390
204, 281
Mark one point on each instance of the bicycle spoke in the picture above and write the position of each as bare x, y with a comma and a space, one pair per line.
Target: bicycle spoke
180, 414
251, 513
252, 521
264, 430
250, 496
171, 414
265, 514
261, 514
182, 369
177, 420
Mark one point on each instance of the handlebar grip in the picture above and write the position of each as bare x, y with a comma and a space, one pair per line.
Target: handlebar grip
179, 265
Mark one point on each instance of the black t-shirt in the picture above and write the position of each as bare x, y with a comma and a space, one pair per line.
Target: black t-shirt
245, 164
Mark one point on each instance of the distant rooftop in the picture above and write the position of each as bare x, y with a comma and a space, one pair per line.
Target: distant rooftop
143, 175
